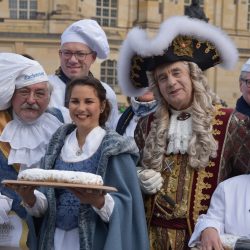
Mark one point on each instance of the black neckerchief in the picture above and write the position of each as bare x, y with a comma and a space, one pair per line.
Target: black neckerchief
124, 120
242, 106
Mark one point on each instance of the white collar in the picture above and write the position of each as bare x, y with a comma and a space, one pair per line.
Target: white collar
180, 132
71, 151
28, 141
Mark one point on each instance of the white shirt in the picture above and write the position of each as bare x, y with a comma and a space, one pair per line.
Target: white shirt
229, 210
58, 96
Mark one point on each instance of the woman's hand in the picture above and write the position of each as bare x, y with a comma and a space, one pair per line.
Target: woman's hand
210, 239
92, 197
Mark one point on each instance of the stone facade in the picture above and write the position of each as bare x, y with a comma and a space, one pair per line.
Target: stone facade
40, 38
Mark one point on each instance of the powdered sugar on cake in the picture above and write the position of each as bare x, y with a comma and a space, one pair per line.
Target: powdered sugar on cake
53, 175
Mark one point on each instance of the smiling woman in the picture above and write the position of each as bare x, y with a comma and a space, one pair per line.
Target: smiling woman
88, 106
86, 220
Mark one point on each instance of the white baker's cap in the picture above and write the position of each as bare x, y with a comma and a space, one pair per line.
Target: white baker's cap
16, 72
246, 66
89, 32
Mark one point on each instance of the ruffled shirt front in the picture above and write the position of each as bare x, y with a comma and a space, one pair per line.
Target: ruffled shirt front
28, 141
180, 131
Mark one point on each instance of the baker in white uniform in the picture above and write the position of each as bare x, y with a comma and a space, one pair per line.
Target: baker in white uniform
228, 213
81, 43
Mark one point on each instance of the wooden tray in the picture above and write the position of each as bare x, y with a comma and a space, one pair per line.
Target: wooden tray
59, 185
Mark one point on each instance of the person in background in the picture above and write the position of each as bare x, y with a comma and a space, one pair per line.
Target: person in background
243, 103
78, 219
181, 142
139, 107
238, 137
228, 215
26, 126
195, 11
81, 43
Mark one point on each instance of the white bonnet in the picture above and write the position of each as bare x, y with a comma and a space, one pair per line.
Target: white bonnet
16, 72
246, 66
89, 32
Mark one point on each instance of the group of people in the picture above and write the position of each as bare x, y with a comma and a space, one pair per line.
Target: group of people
166, 155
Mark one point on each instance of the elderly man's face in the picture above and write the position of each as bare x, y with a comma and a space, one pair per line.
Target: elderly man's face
30, 102
76, 59
175, 85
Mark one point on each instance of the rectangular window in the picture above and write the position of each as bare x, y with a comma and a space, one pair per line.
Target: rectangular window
23, 9
109, 74
13, 4
106, 12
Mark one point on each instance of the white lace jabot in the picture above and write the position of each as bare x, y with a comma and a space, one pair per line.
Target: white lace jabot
28, 141
72, 153
180, 131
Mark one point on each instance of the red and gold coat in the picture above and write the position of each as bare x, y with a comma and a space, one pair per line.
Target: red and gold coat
186, 192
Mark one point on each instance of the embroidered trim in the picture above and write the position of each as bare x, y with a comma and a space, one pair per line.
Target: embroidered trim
204, 185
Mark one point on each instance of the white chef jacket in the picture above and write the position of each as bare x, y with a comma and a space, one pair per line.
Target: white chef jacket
229, 210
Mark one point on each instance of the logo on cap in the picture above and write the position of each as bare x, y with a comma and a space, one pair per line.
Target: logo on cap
32, 76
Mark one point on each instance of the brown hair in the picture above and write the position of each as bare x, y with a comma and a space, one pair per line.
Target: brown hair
100, 92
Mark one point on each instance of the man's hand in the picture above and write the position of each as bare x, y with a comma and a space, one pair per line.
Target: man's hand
150, 180
210, 239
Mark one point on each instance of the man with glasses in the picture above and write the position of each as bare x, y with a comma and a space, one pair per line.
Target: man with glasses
81, 43
243, 103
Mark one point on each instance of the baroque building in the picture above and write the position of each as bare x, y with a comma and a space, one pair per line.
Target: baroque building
33, 27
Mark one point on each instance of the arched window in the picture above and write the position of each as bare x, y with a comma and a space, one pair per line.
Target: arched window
23, 9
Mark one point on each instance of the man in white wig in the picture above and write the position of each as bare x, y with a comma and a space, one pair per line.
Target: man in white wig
25, 129
181, 142
81, 43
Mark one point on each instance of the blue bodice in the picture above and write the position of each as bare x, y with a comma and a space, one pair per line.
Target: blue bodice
67, 203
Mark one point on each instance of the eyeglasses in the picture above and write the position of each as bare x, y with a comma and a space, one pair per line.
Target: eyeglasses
246, 81
67, 54
36, 95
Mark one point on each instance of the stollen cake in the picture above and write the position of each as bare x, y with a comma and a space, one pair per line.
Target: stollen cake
52, 175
